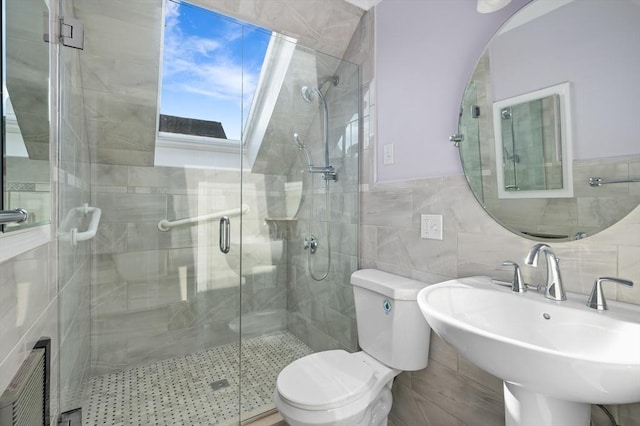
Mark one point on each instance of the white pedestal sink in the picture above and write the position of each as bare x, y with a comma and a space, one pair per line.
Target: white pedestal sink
556, 358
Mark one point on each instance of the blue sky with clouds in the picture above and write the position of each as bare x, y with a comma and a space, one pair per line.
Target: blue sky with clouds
211, 65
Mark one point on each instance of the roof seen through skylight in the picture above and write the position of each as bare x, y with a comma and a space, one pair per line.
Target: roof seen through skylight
211, 66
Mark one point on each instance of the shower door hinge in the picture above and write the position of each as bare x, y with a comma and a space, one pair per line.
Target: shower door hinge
71, 33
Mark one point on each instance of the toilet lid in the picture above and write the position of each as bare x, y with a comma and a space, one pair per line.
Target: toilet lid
324, 380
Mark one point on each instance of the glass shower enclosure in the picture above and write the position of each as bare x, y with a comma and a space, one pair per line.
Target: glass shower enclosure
201, 283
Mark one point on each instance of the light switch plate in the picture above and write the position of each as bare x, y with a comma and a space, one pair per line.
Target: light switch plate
388, 154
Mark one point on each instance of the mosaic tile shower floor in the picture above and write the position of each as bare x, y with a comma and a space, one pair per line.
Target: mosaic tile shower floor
191, 390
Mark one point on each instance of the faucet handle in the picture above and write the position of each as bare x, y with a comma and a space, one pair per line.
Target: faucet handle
596, 299
517, 284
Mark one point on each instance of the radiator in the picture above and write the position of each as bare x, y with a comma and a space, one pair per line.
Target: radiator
23, 403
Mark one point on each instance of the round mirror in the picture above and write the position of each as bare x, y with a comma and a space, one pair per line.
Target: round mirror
549, 124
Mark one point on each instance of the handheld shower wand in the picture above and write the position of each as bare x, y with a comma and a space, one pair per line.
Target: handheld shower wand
302, 147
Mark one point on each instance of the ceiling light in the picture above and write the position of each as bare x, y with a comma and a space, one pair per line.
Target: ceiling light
488, 6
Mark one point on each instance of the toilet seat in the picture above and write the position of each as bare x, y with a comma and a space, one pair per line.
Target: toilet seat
325, 380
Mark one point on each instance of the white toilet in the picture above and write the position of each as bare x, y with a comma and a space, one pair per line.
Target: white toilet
341, 388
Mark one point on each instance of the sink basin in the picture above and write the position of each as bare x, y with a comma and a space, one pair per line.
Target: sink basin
556, 358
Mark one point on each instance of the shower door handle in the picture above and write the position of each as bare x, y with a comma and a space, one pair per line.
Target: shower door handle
225, 234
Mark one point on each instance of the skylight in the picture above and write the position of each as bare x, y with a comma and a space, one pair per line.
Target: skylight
211, 68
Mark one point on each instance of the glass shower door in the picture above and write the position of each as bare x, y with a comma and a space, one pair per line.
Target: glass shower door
299, 179
146, 306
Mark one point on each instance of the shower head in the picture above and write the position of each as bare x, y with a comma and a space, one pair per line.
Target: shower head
309, 93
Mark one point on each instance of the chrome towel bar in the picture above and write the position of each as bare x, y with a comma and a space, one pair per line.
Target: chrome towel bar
597, 181
13, 216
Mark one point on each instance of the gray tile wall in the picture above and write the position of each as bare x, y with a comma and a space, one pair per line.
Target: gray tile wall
321, 313
322, 25
451, 390
28, 312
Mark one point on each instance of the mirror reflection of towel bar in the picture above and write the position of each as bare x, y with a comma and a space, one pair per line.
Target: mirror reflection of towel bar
13, 216
596, 181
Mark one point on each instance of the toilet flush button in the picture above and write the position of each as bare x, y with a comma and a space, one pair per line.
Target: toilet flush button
386, 306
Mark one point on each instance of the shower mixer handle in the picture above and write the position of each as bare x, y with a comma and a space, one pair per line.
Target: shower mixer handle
311, 243
328, 173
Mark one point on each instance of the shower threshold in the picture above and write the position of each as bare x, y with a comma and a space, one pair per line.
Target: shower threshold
197, 389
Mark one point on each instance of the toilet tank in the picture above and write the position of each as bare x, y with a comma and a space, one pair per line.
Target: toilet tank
391, 327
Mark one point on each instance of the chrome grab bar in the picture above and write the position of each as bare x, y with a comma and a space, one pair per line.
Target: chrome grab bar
225, 234
597, 181
13, 216
164, 225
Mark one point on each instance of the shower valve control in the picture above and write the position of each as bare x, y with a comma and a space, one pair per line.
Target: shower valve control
431, 226
311, 244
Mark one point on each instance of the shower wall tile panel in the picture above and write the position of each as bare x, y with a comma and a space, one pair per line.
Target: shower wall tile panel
325, 26
24, 297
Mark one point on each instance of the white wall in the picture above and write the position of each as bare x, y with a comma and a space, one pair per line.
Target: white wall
420, 82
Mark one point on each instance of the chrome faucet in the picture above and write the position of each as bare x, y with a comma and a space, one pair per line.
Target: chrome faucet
554, 289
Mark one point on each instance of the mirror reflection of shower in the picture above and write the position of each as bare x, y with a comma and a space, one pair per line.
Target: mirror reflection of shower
311, 242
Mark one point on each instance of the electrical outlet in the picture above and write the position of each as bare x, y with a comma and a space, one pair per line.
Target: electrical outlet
388, 154
431, 226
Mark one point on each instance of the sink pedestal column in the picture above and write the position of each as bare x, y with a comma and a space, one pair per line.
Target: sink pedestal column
523, 407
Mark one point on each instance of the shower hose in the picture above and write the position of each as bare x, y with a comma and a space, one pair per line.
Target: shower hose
327, 213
